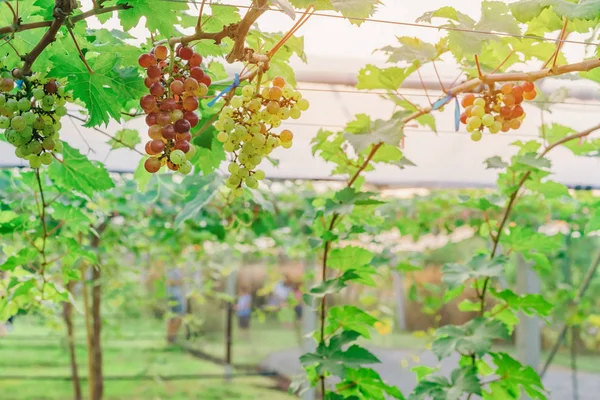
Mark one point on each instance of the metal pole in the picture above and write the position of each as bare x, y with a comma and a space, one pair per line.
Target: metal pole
309, 320
529, 343
231, 285
398, 283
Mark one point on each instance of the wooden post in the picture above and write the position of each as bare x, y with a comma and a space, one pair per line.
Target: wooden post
231, 286
398, 284
529, 333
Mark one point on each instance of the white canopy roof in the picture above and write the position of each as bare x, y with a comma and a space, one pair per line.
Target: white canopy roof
336, 51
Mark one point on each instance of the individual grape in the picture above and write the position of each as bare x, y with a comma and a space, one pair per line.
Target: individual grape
284, 113
529, 95
148, 102
528, 86
254, 105
275, 93
13, 137
505, 111
197, 73
48, 144
463, 118
161, 52
46, 158
35, 162
286, 145
18, 123
487, 120
195, 60
157, 146
287, 91
2, 100
168, 104
303, 104
515, 124
190, 103
236, 102
509, 99
184, 136
516, 112
505, 126
34, 147
186, 167
157, 89
190, 84
206, 80
222, 137
164, 118
476, 136
150, 81
229, 147
6, 84
286, 136
59, 147
495, 127
39, 123
147, 60
176, 115
477, 111
11, 106
468, 100
186, 53
172, 166
273, 107
251, 182
248, 91
168, 132
182, 125
4, 122
155, 132
228, 124
177, 87
202, 90
177, 157
24, 105
17, 73
517, 91
479, 102
182, 145
153, 72
191, 153
259, 175
61, 111
518, 99
38, 93
152, 165
506, 88
26, 134
192, 118
474, 122
278, 82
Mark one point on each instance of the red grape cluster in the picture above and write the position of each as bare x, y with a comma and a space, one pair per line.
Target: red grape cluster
496, 110
30, 114
246, 129
176, 81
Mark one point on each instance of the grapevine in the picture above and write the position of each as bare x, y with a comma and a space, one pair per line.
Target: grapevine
246, 129
30, 111
496, 110
175, 80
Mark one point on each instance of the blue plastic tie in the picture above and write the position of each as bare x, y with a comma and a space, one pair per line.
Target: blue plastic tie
19, 84
440, 103
456, 115
234, 84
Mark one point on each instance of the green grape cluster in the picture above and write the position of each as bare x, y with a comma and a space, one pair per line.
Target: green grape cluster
246, 129
30, 114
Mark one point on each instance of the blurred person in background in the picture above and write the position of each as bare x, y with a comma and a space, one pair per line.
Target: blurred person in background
243, 309
177, 302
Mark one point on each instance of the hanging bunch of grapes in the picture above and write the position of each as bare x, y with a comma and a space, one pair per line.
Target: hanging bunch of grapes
30, 113
246, 129
496, 110
176, 81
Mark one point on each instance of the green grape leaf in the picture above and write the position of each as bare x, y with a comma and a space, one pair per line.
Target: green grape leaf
423, 120
526, 10
219, 17
208, 160
77, 173
333, 359
495, 162
349, 257
391, 155
141, 176
350, 318
447, 13
550, 189
532, 160
160, 16
462, 381
365, 383
333, 285
530, 304
496, 17
422, 371
344, 201
478, 267
25, 256
128, 138
372, 77
474, 337
101, 91
45, 9
356, 10
363, 132
594, 222
201, 190
579, 147
515, 377
523, 239
412, 50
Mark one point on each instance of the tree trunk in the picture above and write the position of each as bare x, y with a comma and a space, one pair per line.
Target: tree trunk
98, 387
68, 318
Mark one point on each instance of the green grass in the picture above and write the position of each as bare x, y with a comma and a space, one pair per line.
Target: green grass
22, 356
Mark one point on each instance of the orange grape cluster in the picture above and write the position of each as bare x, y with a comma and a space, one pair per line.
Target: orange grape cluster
176, 82
246, 129
496, 110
